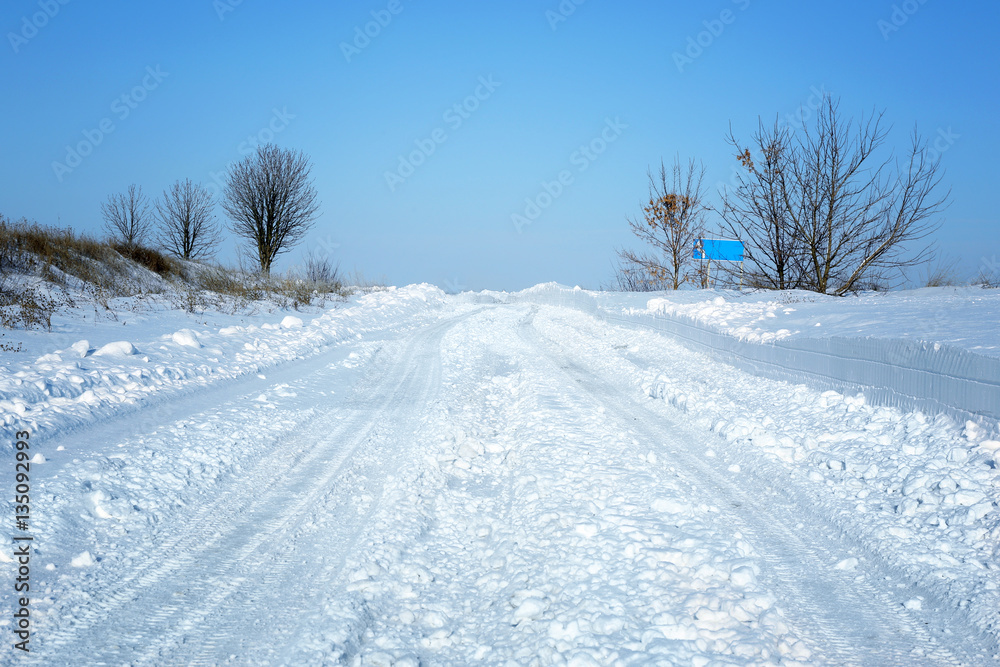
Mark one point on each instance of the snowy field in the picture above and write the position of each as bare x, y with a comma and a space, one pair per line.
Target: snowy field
412, 478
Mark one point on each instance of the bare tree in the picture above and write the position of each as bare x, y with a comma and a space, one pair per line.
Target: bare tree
127, 216
671, 221
271, 201
846, 219
187, 227
755, 211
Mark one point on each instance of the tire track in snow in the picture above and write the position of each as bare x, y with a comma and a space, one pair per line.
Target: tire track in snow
143, 622
847, 619
278, 578
537, 541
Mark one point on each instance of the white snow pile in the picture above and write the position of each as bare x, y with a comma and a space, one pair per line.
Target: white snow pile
70, 385
963, 317
743, 320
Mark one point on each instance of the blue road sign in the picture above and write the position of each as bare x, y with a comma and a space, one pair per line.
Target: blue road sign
718, 249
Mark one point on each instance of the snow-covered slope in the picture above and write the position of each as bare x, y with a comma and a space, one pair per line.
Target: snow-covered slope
961, 317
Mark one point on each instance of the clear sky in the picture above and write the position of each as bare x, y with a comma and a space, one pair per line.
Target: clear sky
98, 95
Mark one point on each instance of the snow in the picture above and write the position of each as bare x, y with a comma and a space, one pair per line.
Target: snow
537, 478
186, 338
75, 384
882, 359
82, 560
963, 317
121, 348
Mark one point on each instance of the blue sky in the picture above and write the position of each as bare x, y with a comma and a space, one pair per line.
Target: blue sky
593, 92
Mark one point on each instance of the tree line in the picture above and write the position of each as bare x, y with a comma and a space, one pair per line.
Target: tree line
819, 207
268, 196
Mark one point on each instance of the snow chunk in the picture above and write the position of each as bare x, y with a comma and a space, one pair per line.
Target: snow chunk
990, 445
605, 624
121, 348
670, 506
743, 576
529, 609
80, 348
38, 458
83, 560
186, 337
291, 322
848, 564
913, 605
965, 498
469, 450
977, 512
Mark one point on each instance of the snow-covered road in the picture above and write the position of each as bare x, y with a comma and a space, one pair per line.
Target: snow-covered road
502, 484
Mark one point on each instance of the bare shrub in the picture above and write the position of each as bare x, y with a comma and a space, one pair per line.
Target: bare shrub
671, 220
187, 227
127, 216
819, 209
631, 277
943, 273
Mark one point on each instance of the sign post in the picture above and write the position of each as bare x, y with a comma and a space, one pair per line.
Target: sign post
720, 250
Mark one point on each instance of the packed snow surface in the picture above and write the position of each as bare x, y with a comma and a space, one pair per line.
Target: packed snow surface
964, 317
412, 478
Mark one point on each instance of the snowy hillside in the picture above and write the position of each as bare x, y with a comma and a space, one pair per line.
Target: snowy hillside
548, 477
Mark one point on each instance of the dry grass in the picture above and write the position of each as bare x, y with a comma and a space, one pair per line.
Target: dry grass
98, 271
356, 282
944, 273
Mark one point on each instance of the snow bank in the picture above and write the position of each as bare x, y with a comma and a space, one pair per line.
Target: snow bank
70, 386
895, 371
